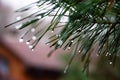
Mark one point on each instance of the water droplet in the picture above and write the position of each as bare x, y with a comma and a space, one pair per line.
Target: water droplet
111, 16
52, 31
69, 48
21, 40
39, 17
104, 18
18, 26
30, 46
18, 18
58, 35
72, 41
110, 62
33, 30
97, 55
113, 19
32, 49
90, 16
34, 37
107, 54
27, 42
60, 42
47, 44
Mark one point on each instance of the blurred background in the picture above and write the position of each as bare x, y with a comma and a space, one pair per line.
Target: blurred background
18, 62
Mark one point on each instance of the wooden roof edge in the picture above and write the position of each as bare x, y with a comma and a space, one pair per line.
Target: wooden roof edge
10, 52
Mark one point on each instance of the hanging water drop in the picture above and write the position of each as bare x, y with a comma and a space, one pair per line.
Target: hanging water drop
33, 30
47, 44
90, 16
97, 55
39, 17
32, 49
30, 46
34, 38
72, 41
52, 31
111, 16
58, 35
21, 40
27, 42
110, 62
107, 54
60, 42
18, 18
69, 48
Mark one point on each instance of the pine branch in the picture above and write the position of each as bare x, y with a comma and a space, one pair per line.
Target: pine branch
88, 22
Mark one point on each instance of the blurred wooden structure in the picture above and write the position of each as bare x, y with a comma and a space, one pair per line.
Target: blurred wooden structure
16, 69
